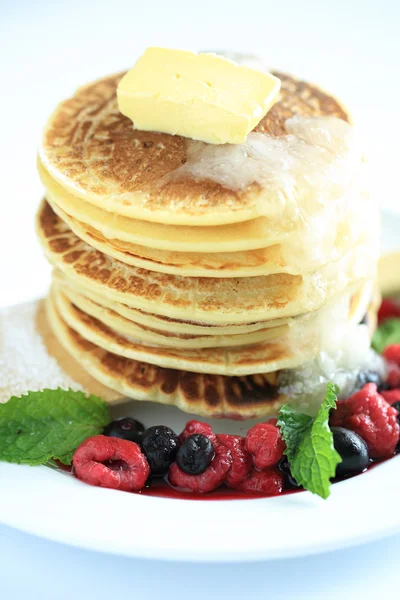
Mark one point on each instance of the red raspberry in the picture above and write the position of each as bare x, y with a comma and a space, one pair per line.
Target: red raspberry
388, 310
341, 413
392, 354
368, 414
242, 462
212, 477
269, 482
393, 377
272, 421
194, 426
112, 463
391, 395
265, 443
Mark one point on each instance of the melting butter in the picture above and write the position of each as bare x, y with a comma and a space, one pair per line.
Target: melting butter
315, 155
314, 185
343, 351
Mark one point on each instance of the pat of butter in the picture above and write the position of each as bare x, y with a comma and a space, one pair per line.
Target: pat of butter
200, 96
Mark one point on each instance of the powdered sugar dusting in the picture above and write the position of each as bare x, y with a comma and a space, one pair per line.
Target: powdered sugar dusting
25, 364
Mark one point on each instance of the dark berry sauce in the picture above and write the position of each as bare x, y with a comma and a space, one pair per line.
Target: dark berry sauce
160, 488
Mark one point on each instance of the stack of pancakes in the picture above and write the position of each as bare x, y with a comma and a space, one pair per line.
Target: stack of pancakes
171, 284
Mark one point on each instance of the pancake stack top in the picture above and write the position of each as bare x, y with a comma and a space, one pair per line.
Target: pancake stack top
207, 276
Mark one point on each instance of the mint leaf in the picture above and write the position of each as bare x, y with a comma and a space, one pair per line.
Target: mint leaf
292, 425
388, 333
49, 424
310, 450
316, 458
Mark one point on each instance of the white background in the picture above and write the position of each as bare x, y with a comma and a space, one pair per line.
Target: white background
351, 48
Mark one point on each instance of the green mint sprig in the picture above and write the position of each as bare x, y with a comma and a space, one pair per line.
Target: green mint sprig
388, 333
50, 424
309, 445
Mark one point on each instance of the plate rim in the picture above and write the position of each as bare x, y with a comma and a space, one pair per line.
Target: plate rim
382, 477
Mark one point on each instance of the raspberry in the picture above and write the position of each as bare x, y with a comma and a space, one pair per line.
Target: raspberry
393, 377
194, 426
112, 463
341, 413
392, 354
391, 395
388, 310
212, 477
265, 443
368, 414
242, 463
269, 482
272, 421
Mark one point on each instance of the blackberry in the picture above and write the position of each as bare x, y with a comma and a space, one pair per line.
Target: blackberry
160, 445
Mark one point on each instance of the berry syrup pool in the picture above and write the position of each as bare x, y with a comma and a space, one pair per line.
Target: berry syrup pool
160, 488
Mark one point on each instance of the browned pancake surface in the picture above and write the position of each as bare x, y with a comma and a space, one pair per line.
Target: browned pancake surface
95, 148
164, 292
209, 395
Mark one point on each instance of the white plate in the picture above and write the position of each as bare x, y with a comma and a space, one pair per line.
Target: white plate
52, 505
56, 506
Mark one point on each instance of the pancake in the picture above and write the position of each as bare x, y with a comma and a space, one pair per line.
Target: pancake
238, 300
249, 235
274, 258
207, 395
170, 339
199, 337
248, 360
332, 231
163, 323
360, 300
285, 348
191, 264
93, 151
